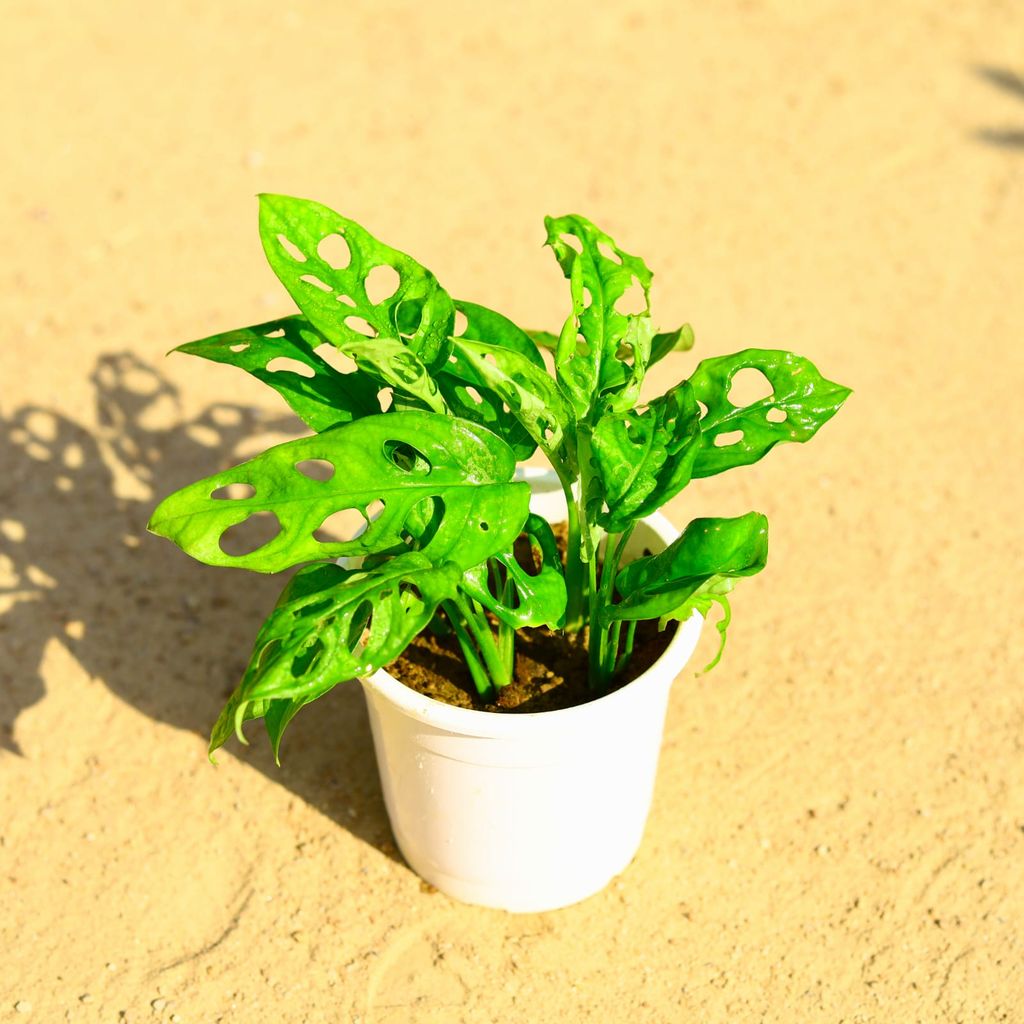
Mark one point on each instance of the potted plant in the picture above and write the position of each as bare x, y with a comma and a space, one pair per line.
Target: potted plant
420, 435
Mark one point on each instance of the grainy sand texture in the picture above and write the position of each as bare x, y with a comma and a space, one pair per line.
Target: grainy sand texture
838, 827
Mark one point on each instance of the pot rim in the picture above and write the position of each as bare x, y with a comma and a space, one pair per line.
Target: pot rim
471, 722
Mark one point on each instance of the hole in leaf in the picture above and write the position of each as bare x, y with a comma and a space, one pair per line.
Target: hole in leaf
278, 333
346, 300
381, 283
250, 535
316, 282
339, 526
528, 555
425, 520
316, 469
730, 437
475, 395
776, 415
703, 409
408, 316
334, 251
572, 241
609, 253
386, 397
359, 626
303, 662
749, 385
632, 301
484, 526
285, 364
360, 326
240, 347
461, 324
373, 510
336, 359
233, 492
291, 248
406, 457
588, 299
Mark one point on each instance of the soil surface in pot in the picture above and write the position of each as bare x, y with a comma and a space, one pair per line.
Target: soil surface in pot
550, 669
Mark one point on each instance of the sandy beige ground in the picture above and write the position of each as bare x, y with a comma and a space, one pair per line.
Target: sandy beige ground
838, 832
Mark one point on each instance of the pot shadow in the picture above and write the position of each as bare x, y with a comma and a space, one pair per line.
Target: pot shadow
164, 633
1013, 84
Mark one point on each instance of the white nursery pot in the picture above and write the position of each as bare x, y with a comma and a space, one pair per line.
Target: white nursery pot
526, 812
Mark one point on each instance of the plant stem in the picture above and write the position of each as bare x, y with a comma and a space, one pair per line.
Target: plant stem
481, 631
604, 638
483, 685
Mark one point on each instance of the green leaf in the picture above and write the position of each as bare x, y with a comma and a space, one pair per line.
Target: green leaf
325, 260
707, 595
599, 274
644, 458
483, 324
466, 392
679, 340
400, 459
331, 625
324, 400
539, 597
544, 339
532, 396
801, 403
659, 584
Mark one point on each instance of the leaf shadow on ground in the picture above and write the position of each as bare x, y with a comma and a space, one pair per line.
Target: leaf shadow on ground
1010, 137
167, 635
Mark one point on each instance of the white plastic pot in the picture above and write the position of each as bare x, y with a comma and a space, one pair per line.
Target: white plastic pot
526, 812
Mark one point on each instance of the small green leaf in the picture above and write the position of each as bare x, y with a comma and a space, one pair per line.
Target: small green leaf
539, 597
532, 396
331, 625
659, 584
324, 400
400, 459
802, 401
708, 594
600, 274
644, 458
679, 340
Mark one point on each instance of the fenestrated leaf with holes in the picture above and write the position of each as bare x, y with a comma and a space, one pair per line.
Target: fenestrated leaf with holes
801, 403
322, 399
332, 624
514, 594
645, 457
588, 356
325, 260
458, 463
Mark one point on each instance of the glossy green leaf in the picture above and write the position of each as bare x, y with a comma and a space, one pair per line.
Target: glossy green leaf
465, 390
801, 403
322, 400
531, 394
657, 585
400, 459
331, 625
600, 274
325, 261
679, 340
644, 458
527, 598
483, 324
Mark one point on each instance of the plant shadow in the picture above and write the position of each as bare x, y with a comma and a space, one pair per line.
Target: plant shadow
164, 633
1013, 84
